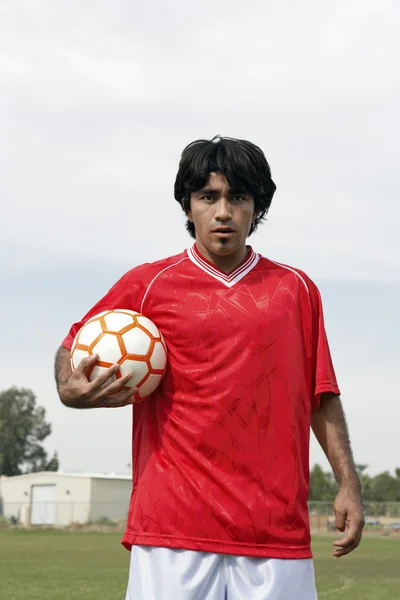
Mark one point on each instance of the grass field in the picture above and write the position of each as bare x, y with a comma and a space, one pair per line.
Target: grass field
55, 565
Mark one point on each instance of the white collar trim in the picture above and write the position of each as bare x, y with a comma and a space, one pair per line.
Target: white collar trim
232, 278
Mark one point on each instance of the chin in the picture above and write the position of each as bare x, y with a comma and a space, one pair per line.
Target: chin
224, 247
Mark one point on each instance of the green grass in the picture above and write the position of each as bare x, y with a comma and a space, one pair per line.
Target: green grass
371, 572
55, 565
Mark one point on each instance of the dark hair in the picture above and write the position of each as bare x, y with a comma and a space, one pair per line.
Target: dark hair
243, 164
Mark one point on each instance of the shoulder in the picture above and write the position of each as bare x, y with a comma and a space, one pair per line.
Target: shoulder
290, 273
146, 272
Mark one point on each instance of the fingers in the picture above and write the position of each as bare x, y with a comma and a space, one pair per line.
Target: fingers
115, 394
340, 520
348, 514
86, 363
104, 376
350, 541
117, 386
83, 393
124, 398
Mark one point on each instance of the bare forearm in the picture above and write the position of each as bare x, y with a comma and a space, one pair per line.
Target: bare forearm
76, 391
62, 367
62, 373
330, 429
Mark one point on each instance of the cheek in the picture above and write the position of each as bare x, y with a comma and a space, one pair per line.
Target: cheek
200, 217
246, 218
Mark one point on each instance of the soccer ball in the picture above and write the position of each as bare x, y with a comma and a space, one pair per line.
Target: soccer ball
127, 338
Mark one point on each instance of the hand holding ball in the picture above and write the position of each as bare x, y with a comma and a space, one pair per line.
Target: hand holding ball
125, 338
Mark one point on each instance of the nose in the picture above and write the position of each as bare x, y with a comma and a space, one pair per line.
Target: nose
222, 210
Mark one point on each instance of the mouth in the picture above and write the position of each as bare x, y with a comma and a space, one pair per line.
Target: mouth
223, 231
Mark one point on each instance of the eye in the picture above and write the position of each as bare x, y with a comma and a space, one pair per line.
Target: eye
238, 198
207, 198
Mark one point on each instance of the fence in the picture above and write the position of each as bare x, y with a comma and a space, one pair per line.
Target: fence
378, 515
63, 514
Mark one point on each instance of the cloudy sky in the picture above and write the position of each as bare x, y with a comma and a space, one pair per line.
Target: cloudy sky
97, 101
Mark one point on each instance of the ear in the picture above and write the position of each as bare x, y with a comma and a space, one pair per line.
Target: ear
255, 214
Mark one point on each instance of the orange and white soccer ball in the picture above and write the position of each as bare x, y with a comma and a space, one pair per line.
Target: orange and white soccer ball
127, 338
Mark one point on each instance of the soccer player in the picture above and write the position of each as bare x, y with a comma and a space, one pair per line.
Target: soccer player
221, 449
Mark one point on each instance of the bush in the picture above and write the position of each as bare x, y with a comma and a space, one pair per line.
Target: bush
105, 521
4, 522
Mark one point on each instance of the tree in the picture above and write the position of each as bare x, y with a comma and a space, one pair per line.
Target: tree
366, 482
380, 488
322, 485
23, 428
386, 488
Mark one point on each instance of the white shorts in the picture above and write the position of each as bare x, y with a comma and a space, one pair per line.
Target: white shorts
167, 574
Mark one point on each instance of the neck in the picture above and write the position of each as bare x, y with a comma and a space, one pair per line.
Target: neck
226, 263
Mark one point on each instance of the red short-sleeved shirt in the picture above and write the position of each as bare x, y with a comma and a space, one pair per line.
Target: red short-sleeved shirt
221, 449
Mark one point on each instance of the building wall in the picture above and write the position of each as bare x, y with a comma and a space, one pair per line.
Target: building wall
72, 496
110, 498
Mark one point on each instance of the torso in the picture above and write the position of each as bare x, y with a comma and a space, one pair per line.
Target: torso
226, 465
221, 449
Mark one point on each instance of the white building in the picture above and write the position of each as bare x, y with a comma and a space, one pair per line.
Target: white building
50, 498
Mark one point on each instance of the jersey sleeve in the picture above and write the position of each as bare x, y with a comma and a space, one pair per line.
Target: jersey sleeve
126, 293
323, 373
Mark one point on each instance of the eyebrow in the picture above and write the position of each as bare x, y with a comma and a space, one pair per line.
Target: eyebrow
232, 192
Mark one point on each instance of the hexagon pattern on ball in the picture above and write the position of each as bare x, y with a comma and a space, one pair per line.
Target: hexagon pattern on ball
108, 348
89, 333
148, 325
158, 357
136, 341
116, 321
139, 370
129, 339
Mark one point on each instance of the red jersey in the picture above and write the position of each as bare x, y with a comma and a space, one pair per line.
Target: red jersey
221, 449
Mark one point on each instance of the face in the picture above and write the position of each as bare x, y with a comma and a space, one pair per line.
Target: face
222, 217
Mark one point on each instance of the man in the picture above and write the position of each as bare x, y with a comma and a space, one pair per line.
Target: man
221, 449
